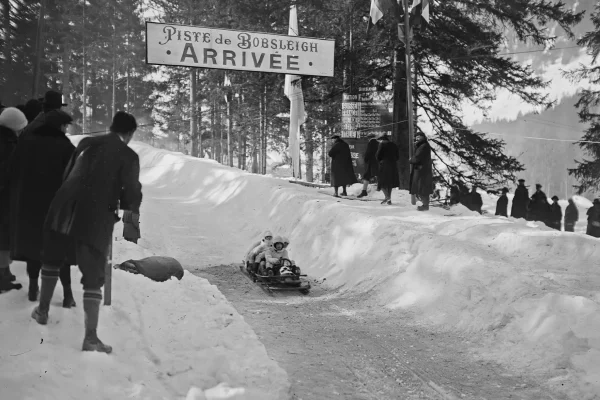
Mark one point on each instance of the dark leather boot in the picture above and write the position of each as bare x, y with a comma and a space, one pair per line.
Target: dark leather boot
91, 308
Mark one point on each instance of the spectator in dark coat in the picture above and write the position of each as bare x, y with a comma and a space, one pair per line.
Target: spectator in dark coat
502, 204
520, 201
454, 193
387, 156
52, 101
371, 164
421, 175
342, 170
131, 226
475, 200
33, 108
102, 172
37, 171
539, 208
571, 216
12, 122
556, 214
593, 214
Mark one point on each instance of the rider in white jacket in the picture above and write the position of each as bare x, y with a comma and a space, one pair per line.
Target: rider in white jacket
275, 254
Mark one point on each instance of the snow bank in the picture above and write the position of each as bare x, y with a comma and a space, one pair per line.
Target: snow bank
167, 337
531, 291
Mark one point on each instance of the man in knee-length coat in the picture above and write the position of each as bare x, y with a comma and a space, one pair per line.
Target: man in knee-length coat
421, 176
342, 170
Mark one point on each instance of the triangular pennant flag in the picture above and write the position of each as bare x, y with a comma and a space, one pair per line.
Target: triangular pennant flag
379, 8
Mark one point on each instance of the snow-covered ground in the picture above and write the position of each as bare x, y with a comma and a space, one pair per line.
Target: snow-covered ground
531, 292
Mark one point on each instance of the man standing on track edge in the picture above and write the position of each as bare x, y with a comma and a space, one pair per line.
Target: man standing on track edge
102, 171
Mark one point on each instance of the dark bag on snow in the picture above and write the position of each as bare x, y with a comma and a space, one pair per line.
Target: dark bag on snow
157, 268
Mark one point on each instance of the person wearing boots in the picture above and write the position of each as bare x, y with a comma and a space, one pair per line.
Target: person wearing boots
571, 216
387, 156
421, 175
342, 170
102, 174
12, 122
39, 163
371, 164
502, 204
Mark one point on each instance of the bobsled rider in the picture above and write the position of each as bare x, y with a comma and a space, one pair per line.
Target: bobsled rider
286, 242
253, 251
275, 254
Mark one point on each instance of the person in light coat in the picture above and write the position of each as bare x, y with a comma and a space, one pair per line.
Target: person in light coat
275, 254
267, 238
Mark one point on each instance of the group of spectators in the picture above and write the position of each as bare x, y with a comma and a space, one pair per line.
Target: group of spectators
59, 204
381, 163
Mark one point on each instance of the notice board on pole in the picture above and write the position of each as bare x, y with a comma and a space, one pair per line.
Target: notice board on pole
194, 46
363, 113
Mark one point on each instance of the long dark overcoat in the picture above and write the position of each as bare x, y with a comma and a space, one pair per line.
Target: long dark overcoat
502, 206
102, 171
556, 216
520, 202
387, 155
539, 208
370, 159
8, 144
39, 164
421, 176
342, 170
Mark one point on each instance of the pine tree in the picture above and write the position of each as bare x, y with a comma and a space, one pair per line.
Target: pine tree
587, 172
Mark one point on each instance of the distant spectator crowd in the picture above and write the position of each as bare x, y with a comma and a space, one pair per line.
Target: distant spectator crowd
532, 208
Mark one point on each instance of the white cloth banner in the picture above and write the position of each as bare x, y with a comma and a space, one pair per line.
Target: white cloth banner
293, 91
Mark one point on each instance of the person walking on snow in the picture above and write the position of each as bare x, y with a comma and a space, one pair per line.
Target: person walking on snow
371, 163
421, 175
342, 171
520, 201
387, 156
102, 174
502, 204
556, 214
571, 216
38, 167
12, 122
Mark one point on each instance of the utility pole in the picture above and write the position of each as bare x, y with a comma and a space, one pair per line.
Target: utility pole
409, 105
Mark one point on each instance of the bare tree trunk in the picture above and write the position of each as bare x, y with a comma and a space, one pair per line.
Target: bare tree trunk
7, 50
309, 149
265, 131
212, 131
39, 47
220, 125
323, 155
229, 133
260, 134
193, 134
84, 76
66, 72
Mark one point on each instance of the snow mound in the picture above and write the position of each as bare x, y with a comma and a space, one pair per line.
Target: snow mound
167, 338
529, 290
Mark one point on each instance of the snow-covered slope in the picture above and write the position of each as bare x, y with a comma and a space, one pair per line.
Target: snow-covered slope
532, 292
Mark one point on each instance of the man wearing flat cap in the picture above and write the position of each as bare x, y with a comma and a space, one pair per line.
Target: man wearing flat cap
102, 174
520, 201
342, 170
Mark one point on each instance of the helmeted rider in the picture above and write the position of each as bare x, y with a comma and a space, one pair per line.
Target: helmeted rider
275, 254
267, 239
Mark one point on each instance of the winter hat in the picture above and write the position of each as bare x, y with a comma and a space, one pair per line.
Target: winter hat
538, 186
32, 109
267, 233
13, 119
521, 180
336, 136
555, 198
505, 190
52, 100
57, 118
